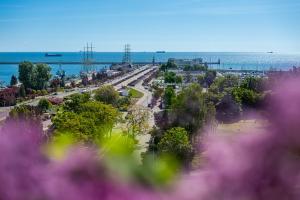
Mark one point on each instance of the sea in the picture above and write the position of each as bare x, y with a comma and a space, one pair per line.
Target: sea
229, 60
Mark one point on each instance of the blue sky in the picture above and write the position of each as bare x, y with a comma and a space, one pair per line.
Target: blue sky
150, 25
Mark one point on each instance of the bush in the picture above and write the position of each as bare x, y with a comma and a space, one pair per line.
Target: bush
44, 105
107, 94
175, 142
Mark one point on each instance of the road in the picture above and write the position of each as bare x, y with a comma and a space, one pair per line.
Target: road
4, 111
144, 101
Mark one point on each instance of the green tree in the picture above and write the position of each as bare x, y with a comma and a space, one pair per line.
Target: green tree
44, 104
13, 80
90, 123
227, 82
26, 75
229, 108
137, 120
190, 110
169, 96
209, 77
73, 102
201, 80
107, 94
22, 92
175, 142
255, 84
247, 97
42, 75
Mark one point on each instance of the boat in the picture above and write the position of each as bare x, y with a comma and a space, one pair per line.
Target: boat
52, 55
270, 52
160, 52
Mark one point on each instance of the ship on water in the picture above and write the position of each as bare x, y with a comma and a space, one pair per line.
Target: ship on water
53, 55
160, 52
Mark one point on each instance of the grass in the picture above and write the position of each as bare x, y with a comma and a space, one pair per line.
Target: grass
135, 94
242, 126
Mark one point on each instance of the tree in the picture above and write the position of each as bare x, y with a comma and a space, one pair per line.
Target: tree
227, 82
201, 80
169, 65
107, 94
44, 104
228, 109
13, 80
175, 142
189, 109
90, 123
255, 84
34, 76
73, 102
42, 75
169, 96
85, 80
26, 74
248, 98
22, 92
210, 76
137, 120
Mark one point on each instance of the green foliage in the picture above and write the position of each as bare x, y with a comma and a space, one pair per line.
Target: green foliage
73, 102
107, 94
175, 142
201, 80
13, 80
44, 104
137, 121
123, 103
169, 96
170, 77
25, 112
195, 68
26, 74
210, 76
42, 74
222, 83
190, 110
255, 84
158, 92
229, 108
90, 123
248, 98
34, 76
169, 65
22, 92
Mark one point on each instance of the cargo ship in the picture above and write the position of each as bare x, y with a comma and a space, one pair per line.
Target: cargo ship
160, 52
53, 55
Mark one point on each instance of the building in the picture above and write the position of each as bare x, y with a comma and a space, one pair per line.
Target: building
125, 67
184, 62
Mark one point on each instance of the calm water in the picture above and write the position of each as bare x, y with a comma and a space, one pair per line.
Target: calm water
228, 60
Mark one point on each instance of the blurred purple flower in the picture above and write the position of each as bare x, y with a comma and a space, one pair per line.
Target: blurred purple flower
257, 165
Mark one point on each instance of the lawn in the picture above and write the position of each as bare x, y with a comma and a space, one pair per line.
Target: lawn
135, 94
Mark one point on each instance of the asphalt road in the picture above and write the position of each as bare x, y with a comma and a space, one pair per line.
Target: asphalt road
4, 111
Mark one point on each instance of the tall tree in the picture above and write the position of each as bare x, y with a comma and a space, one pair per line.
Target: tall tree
169, 96
107, 94
137, 120
175, 142
13, 80
190, 109
42, 75
26, 74
22, 92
